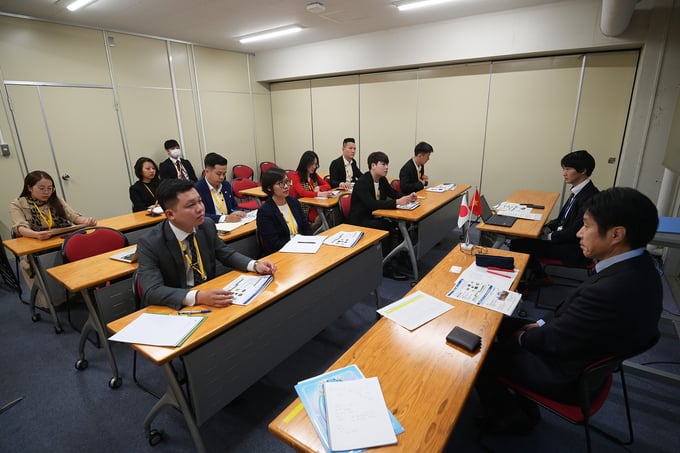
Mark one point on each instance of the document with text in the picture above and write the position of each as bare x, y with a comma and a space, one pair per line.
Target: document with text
415, 310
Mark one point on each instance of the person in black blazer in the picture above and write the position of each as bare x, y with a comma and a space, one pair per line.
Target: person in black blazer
412, 177
613, 313
559, 239
215, 191
168, 168
143, 192
275, 226
168, 267
371, 192
338, 170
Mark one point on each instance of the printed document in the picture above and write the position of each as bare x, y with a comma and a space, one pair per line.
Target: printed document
344, 238
415, 310
158, 330
441, 188
226, 227
303, 244
246, 287
487, 288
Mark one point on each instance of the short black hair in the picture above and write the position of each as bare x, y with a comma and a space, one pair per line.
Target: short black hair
170, 144
423, 148
579, 160
271, 177
347, 140
212, 159
377, 156
626, 207
167, 191
140, 163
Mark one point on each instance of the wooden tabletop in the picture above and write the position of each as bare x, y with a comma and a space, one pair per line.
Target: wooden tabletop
425, 380
324, 202
25, 246
95, 270
430, 202
254, 192
293, 271
522, 227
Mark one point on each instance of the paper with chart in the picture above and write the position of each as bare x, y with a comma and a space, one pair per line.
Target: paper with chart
158, 329
441, 188
246, 287
344, 238
488, 288
357, 415
226, 227
415, 310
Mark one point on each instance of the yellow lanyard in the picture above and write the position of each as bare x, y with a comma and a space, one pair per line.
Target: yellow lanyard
149, 190
348, 170
420, 174
47, 221
221, 205
291, 221
188, 259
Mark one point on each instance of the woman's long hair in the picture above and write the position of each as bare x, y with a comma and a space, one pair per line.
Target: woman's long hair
32, 179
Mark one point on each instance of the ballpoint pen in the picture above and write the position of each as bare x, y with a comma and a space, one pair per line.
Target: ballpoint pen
498, 273
193, 312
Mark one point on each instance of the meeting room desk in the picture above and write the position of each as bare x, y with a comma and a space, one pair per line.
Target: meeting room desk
83, 275
237, 345
435, 217
425, 380
522, 227
255, 192
31, 248
321, 205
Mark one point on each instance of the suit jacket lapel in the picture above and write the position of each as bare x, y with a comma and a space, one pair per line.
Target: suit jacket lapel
175, 252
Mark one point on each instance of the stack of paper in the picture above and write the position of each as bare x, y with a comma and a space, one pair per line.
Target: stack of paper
517, 210
158, 330
312, 394
344, 238
414, 310
409, 206
226, 227
441, 188
246, 287
488, 288
303, 244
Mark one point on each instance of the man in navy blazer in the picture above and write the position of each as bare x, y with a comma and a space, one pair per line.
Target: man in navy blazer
614, 313
182, 251
168, 169
559, 239
412, 177
215, 191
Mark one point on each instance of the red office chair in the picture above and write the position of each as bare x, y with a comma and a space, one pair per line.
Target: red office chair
345, 201
88, 242
264, 166
597, 375
242, 172
244, 202
327, 178
396, 185
289, 175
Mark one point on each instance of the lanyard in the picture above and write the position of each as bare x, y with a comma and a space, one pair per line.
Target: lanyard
47, 221
221, 205
291, 222
188, 259
149, 190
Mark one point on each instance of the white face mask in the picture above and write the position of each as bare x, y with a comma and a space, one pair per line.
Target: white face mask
176, 153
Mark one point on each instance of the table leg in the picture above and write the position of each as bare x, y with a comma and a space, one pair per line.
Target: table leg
35, 266
407, 245
324, 223
174, 396
93, 324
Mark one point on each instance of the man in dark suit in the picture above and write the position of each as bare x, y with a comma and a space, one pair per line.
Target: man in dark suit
183, 250
412, 177
559, 239
215, 191
344, 170
613, 313
174, 166
371, 192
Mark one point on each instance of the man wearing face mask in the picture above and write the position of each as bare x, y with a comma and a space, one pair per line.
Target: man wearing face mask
174, 166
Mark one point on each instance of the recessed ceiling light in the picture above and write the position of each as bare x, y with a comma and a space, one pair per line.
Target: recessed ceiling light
269, 34
78, 4
408, 5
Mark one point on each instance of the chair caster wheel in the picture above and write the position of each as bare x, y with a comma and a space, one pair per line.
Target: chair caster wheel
155, 437
35, 317
115, 382
58, 329
81, 364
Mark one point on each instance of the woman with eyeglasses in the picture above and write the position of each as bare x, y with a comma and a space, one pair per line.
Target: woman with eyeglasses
280, 217
143, 192
39, 209
307, 183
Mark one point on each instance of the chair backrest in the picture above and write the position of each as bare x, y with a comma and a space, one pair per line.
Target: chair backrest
327, 178
242, 171
345, 202
91, 241
240, 184
396, 185
289, 174
137, 291
264, 166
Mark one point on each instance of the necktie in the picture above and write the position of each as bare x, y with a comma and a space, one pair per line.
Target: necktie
567, 207
348, 172
198, 278
180, 173
420, 174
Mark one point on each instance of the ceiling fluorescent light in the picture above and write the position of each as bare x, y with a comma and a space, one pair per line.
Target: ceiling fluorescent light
269, 34
78, 4
405, 6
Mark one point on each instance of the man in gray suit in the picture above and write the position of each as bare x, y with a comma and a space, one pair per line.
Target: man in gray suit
182, 252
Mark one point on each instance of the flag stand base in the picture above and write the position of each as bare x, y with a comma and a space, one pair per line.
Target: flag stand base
466, 246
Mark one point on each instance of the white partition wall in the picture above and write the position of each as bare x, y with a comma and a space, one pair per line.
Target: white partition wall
292, 111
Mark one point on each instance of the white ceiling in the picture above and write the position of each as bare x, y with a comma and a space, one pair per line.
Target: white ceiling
216, 23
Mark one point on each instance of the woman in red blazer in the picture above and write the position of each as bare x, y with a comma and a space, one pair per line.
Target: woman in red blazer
307, 183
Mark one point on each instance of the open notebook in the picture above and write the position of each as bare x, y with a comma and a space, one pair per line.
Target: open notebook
127, 256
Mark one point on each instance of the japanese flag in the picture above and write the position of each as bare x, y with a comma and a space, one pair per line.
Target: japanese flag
464, 214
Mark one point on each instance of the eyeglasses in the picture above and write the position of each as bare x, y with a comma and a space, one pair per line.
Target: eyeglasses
49, 189
283, 184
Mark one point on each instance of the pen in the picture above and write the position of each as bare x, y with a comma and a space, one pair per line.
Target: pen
10, 404
498, 273
193, 312
500, 269
306, 242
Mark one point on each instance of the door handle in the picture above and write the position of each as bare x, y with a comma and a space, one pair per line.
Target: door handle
65, 176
